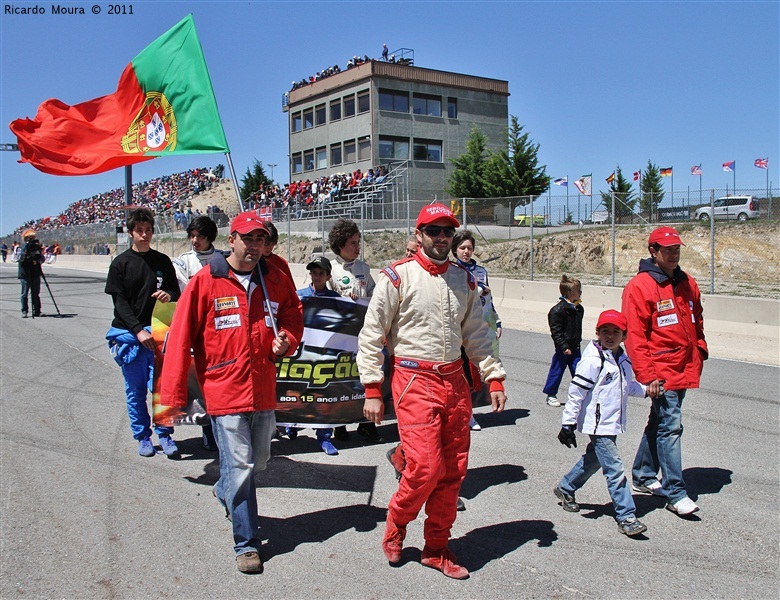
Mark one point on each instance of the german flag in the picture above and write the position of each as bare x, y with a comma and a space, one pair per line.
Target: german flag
666, 172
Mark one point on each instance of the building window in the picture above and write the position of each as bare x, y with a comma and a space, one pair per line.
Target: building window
349, 151
349, 106
452, 108
364, 148
308, 119
335, 155
363, 102
427, 105
296, 122
319, 115
427, 150
322, 158
391, 148
335, 110
297, 163
395, 101
308, 160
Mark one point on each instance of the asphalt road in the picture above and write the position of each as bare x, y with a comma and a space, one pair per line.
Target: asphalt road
83, 516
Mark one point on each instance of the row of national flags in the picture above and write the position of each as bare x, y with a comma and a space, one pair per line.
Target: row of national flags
761, 163
584, 183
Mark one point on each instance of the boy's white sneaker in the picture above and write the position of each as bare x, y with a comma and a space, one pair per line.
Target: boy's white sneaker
684, 506
552, 401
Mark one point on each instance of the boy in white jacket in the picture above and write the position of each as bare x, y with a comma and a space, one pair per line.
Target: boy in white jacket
596, 406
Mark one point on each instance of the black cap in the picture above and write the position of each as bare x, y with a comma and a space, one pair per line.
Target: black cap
319, 263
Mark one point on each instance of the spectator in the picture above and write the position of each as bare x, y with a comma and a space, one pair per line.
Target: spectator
565, 320
29, 273
226, 318
666, 342
137, 279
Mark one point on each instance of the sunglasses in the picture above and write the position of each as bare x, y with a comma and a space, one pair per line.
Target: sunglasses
435, 231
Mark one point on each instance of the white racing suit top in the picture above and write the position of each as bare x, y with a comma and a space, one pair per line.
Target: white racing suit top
190, 263
425, 316
351, 278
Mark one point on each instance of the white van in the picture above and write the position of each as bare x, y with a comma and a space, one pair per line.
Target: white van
740, 208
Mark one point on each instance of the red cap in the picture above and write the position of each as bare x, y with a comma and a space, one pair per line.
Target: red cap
434, 212
665, 236
612, 317
246, 222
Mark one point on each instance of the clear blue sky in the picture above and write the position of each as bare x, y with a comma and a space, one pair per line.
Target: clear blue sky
596, 84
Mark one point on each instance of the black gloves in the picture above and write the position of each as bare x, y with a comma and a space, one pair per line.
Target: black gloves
566, 436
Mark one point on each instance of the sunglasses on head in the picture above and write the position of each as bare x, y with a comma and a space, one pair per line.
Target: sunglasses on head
435, 231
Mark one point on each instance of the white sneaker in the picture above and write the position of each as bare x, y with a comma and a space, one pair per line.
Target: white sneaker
654, 487
473, 425
684, 506
552, 401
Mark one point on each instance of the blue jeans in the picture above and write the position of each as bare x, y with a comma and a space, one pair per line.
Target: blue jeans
244, 442
138, 376
31, 287
661, 446
602, 451
557, 368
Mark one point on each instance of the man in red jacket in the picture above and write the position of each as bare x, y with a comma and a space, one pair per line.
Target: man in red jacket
666, 342
225, 317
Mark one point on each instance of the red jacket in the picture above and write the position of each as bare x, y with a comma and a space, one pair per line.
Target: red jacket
665, 327
231, 340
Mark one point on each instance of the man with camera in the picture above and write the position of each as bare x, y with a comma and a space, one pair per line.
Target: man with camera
30, 262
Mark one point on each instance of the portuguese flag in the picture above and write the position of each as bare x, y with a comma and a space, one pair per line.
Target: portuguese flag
164, 104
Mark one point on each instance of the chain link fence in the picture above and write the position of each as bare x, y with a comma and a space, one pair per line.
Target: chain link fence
599, 239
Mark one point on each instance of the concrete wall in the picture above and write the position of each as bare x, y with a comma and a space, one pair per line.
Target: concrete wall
737, 328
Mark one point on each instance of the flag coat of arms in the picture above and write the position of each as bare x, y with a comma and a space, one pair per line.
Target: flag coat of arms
666, 172
728, 166
611, 178
164, 104
583, 185
696, 170
762, 163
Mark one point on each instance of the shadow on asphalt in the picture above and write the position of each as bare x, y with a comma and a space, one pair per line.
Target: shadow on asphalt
483, 545
481, 478
285, 534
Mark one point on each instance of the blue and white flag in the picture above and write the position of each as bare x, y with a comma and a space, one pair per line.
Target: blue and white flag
561, 181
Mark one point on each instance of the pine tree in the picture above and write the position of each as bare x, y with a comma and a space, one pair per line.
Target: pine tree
466, 180
651, 191
624, 194
253, 180
516, 170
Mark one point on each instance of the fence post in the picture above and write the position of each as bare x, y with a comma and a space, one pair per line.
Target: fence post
531, 236
614, 200
712, 241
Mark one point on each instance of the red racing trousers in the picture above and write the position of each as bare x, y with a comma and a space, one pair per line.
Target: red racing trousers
433, 411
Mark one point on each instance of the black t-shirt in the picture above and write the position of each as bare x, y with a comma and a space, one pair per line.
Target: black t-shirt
132, 279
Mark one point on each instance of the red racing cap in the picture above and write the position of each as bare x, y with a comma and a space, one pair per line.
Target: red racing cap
434, 212
665, 236
612, 317
246, 222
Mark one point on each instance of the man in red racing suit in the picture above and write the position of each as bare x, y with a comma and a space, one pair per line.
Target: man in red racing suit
425, 308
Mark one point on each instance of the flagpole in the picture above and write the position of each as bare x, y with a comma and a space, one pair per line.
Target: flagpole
769, 198
734, 172
235, 181
672, 187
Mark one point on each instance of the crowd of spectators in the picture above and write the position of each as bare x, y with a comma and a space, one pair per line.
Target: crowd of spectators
355, 61
170, 192
304, 196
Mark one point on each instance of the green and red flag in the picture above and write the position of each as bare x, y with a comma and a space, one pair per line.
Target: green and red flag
164, 104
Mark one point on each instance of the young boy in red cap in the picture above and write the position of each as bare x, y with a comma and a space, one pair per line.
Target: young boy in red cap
596, 406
